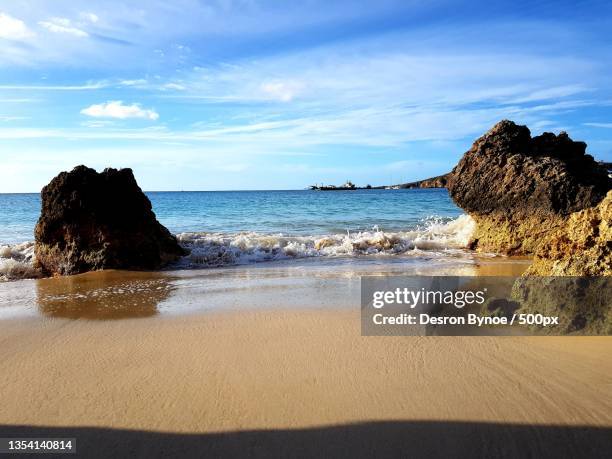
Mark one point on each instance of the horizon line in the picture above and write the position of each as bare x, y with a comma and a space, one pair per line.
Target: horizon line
228, 191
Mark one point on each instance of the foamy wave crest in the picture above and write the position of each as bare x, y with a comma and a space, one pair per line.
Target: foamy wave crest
220, 249
17, 262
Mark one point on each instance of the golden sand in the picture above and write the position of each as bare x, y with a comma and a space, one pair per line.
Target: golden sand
279, 369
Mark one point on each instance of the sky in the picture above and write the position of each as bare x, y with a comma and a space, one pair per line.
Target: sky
248, 94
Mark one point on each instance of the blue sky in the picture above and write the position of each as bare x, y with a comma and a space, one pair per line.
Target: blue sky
247, 94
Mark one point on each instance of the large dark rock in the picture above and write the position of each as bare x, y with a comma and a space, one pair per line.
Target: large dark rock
519, 188
91, 221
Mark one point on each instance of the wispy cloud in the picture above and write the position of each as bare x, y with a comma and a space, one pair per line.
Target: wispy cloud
333, 77
62, 25
390, 126
172, 87
599, 125
116, 109
144, 84
138, 82
69, 87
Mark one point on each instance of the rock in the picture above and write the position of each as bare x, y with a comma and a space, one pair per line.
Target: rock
519, 189
607, 166
500, 307
434, 182
581, 247
570, 277
91, 221
580, 304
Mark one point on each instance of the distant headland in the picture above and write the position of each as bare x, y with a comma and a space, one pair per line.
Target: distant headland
440, 181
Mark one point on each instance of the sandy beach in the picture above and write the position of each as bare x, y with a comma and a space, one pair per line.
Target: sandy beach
299, 382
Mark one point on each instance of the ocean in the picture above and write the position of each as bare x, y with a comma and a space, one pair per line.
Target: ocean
242, 227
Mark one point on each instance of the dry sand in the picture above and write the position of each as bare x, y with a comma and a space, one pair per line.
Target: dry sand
300, 383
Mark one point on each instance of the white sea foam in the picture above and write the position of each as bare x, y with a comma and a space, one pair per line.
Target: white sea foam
220, 249
17, 262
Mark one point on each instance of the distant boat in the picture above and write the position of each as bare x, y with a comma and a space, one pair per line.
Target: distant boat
348, 186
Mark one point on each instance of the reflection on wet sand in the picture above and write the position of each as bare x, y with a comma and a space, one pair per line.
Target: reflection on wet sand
103, 295
334, 284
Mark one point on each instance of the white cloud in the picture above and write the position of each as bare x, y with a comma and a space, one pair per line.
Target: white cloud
116, 109
62, 25
13, 28
284, 91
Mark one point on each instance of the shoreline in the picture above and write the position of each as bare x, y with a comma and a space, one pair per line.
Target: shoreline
436, 240
302, 284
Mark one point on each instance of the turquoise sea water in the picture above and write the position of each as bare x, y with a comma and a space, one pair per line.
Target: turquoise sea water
298, 213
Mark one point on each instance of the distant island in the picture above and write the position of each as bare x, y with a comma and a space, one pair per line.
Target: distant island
439, 181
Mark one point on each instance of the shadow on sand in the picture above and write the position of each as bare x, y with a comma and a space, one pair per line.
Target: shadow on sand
414, 439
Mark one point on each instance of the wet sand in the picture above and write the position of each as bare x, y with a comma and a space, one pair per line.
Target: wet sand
297, 381
306, 284
279, 370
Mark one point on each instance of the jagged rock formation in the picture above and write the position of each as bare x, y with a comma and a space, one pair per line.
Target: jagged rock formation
579, 254
519, 189
91, 221
581, 247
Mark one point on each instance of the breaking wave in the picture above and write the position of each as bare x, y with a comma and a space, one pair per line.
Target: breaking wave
224, 249
221, 249
17, 262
